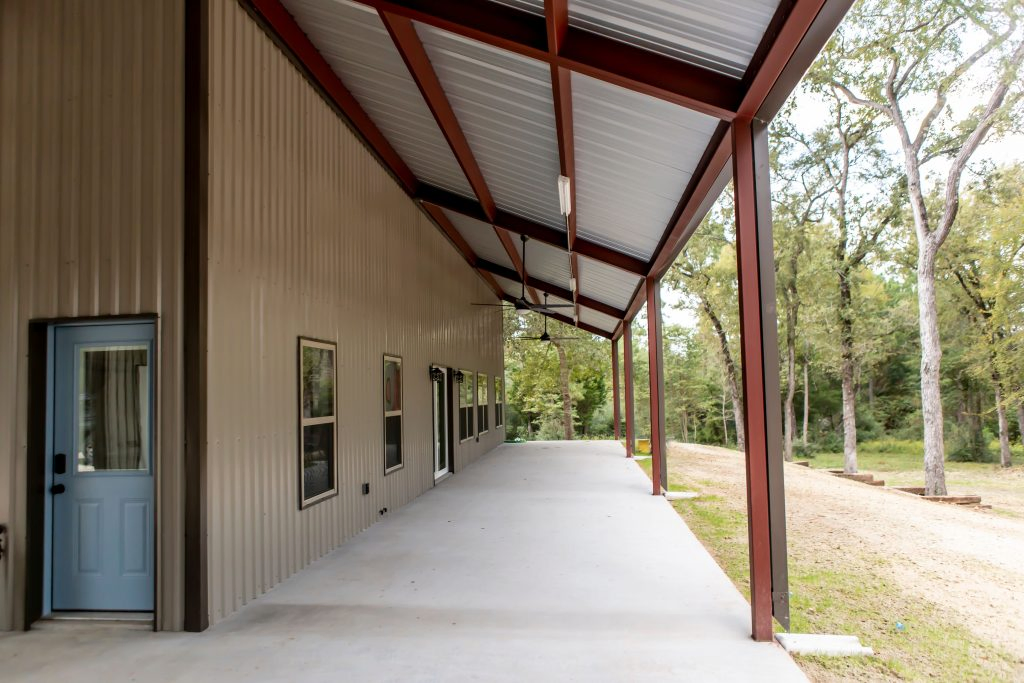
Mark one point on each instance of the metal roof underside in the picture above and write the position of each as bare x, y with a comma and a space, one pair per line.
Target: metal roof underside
355, 43
477, 113
634, 156
503, 103
722, 36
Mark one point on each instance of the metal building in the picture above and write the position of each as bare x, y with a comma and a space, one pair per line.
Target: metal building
240, 240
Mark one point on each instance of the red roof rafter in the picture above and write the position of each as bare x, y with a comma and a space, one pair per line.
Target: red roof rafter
409, 46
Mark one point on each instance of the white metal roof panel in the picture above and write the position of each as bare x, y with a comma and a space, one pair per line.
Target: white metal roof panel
635, 155
355, 43
531, 6
722, 36
605, 283
599, 320
548, 263
510, 287
481, 237
504, 105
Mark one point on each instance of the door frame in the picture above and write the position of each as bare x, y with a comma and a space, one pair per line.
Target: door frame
39, 455
447, 420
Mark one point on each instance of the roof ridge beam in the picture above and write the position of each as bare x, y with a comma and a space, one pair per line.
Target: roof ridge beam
609, 60
556, 14
524, 226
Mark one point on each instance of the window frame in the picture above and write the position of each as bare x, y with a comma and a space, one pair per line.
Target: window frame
483, 415
467, 376
499, 402
393, 413
306, 503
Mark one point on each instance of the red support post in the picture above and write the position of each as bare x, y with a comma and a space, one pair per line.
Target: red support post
616, 418
659, 464
759, 350
627, 366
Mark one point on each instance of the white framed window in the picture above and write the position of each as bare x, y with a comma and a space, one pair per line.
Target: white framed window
499, 402
483, 403
466, 431
392, 414
318, 421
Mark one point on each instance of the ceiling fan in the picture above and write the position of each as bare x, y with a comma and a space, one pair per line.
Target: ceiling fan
521, 304
545, 337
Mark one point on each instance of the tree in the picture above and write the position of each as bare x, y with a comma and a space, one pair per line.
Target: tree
985, 260
888, 56
705, 274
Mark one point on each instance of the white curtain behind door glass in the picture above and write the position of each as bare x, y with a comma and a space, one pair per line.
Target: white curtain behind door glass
114, 415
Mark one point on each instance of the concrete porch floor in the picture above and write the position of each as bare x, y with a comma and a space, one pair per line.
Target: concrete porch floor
543, 562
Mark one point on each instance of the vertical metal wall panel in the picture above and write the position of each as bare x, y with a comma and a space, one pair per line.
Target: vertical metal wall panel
310, 236
90, 224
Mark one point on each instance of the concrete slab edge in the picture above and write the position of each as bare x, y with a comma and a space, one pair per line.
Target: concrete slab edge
823, 644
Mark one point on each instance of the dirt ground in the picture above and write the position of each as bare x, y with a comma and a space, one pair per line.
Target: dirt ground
969, 563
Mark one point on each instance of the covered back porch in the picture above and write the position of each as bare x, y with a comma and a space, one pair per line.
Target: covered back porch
540, 561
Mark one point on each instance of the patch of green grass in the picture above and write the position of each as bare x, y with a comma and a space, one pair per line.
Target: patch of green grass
854, 597
897, 455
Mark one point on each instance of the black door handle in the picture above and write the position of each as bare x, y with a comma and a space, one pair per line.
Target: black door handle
57, 488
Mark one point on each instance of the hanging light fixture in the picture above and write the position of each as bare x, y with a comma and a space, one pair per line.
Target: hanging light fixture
564, 195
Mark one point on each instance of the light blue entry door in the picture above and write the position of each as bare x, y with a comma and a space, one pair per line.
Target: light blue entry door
102, 492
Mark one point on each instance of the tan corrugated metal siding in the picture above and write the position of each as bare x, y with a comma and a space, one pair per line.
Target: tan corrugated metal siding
90, 221
310, 236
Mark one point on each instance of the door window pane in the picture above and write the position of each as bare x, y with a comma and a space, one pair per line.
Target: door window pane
113, 408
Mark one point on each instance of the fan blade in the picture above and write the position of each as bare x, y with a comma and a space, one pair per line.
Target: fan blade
525, 338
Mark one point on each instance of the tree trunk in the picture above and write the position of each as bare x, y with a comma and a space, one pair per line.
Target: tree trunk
847, 371
685, 420
931, 361
725, 420
1020, 423
563, 383
789, 417
730, 373
807, 400
1004, 425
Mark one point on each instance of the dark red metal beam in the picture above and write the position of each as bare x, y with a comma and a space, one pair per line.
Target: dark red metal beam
609, 60
796, 36
522, 226
556, 15
409, 46
656, 367
616, 417
752, 350
627, 367
320, 72
554, 290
